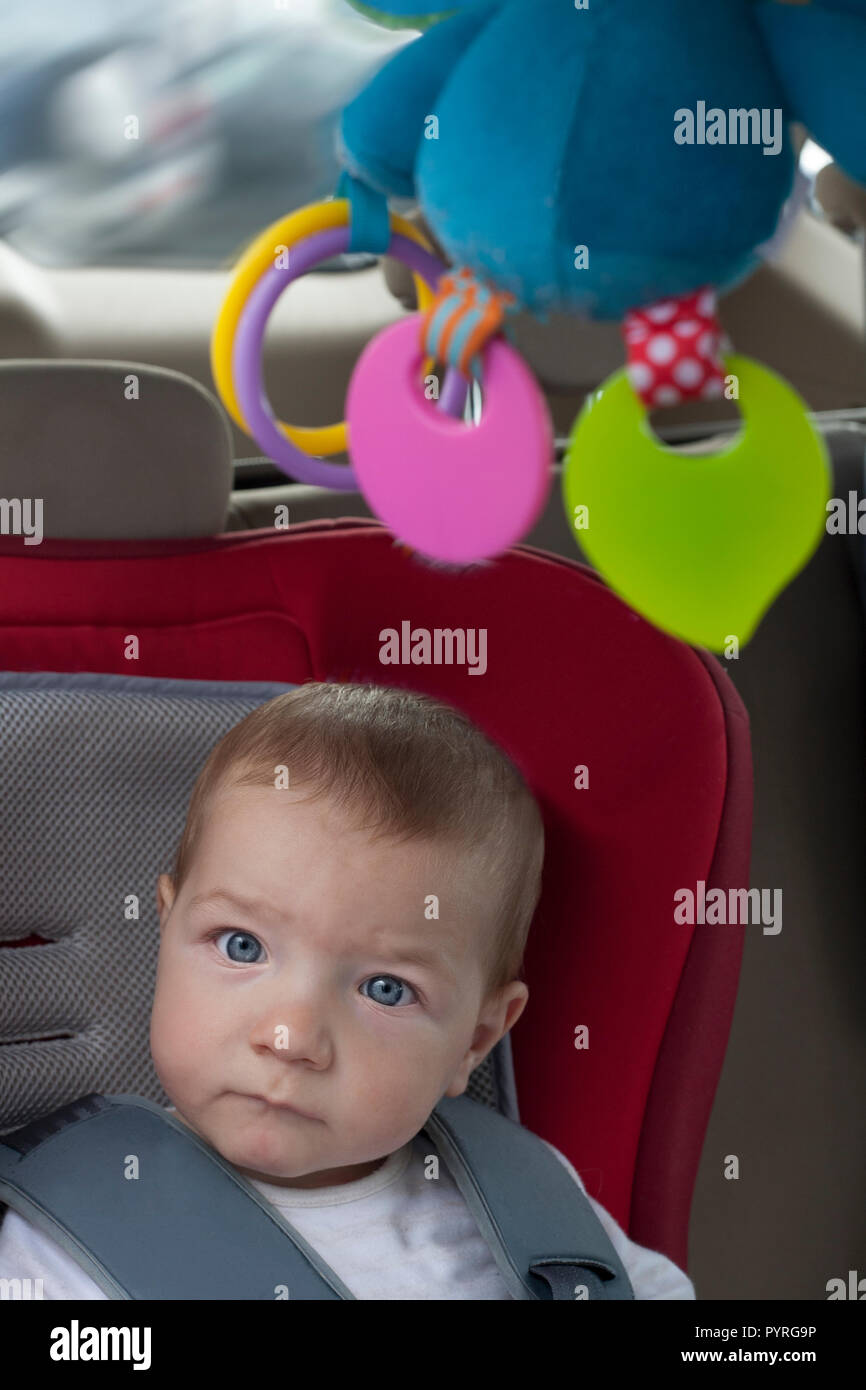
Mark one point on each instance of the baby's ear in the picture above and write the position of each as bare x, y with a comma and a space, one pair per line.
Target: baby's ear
165, 893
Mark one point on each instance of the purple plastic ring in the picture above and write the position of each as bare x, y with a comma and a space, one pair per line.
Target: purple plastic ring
249, 340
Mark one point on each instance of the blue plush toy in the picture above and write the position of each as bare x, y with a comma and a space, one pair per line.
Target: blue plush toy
612, 158
527, 128
620, 159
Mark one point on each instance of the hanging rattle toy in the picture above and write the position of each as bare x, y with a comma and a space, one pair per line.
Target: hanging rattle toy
609, 159
456, 493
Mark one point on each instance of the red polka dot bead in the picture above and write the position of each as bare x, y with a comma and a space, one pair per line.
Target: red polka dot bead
674, 350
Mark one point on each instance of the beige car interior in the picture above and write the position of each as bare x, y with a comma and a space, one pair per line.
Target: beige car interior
86, 351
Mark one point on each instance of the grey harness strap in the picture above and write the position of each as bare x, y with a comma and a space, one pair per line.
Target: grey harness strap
190, 1226
541, 1230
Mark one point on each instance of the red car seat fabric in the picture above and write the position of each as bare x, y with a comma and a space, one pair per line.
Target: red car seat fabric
573, 679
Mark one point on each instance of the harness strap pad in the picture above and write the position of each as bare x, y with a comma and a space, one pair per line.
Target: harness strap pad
151, 1211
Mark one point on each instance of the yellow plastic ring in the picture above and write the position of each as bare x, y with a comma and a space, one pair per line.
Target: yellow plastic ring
259, 258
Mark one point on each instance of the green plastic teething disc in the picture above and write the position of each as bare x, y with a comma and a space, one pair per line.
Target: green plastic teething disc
699, 545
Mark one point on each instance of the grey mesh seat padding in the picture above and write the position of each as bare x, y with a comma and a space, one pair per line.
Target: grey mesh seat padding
95, 776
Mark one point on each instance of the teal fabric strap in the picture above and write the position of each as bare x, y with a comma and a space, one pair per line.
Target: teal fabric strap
448, 306
370, 228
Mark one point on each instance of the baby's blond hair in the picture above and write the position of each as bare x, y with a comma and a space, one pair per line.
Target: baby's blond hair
403, 766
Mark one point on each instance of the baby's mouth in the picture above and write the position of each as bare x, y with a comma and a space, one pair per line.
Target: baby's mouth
285, 1106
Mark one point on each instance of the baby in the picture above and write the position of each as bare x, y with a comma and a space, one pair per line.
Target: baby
341, 942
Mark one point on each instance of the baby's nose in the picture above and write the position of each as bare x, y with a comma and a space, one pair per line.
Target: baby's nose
295, 1030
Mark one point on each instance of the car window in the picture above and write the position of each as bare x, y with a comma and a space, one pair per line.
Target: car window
169, 133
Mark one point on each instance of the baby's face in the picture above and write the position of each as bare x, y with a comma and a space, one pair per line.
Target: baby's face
286, 978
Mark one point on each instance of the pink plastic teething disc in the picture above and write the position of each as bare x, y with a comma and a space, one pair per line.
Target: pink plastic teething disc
455, 492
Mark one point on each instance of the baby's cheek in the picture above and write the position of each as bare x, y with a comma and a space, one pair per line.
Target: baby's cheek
397, 1078
176, 1026
162, 1043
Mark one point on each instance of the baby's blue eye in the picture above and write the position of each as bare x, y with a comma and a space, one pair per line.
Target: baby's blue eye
390, 990
242, 947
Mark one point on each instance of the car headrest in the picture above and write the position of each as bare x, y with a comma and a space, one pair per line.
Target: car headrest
115, 450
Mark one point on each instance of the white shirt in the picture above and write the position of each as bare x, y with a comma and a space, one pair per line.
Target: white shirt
394, 1234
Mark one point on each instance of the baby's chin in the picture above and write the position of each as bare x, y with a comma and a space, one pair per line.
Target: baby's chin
267, 1146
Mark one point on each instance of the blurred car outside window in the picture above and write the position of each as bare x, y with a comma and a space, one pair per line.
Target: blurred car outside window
168, 134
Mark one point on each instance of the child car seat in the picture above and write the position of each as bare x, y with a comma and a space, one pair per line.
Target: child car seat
87, 844
574, 679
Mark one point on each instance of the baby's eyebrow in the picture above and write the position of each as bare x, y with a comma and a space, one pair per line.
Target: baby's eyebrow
428, 960
221, 897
